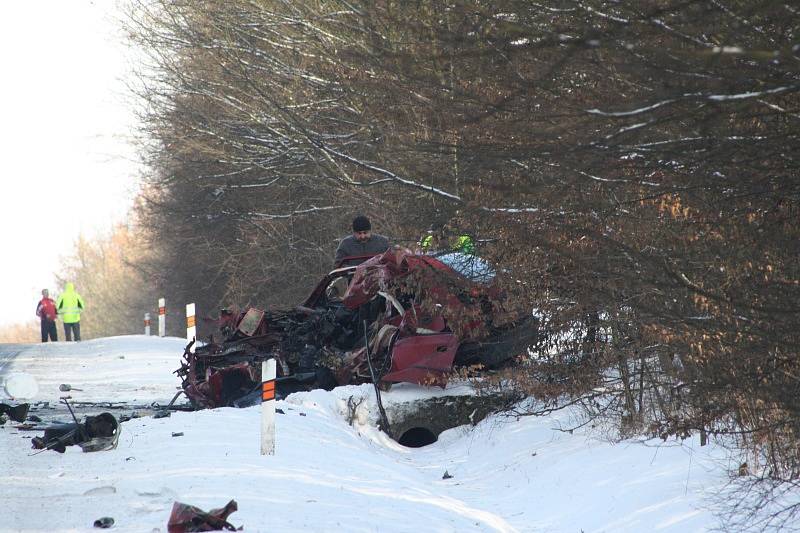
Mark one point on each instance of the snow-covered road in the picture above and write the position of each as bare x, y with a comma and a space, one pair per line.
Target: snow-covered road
9, 352
507, 474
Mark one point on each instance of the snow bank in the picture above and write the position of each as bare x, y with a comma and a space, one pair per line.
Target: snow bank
327, 475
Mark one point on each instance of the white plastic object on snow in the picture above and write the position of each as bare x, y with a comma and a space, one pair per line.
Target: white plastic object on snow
21, 386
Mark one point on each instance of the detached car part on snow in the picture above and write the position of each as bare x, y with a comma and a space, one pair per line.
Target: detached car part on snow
396, 317
96, 433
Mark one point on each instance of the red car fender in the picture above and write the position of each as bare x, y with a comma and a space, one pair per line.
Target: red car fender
423, 359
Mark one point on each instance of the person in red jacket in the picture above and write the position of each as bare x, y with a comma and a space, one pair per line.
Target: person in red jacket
46, 311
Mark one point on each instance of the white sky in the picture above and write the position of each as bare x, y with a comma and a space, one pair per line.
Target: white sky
67, 167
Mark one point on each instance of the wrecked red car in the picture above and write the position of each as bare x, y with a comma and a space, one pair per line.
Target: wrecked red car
396, 317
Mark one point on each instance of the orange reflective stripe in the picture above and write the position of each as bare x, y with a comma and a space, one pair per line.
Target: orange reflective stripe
267, 391
190, 321
162, 310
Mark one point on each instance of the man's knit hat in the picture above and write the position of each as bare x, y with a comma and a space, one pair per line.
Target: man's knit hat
361, 223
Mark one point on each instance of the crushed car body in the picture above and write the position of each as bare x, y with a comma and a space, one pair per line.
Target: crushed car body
395, 317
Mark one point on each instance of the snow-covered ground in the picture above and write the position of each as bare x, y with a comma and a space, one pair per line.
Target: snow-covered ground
507, 474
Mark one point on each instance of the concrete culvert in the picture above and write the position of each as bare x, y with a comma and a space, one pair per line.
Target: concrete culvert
418, 423
417, 437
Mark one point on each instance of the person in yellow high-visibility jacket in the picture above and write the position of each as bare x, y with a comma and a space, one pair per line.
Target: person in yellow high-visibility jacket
69, 307
465, 245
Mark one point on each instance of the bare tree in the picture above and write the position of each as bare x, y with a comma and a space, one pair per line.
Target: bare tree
632, 167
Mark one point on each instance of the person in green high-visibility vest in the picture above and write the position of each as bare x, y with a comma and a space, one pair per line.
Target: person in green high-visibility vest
69, 307
465, 245
425, 244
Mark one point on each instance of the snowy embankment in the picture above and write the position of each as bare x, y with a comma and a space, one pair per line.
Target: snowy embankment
507, 474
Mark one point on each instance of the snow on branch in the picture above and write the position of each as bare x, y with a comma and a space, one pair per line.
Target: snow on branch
552, 9
754, 94
639, 111
697, 96
392, 175
312, 209
779, 108
604, 15
253, 185
598, 178
511, 209
662, 24
640, 146
628, 128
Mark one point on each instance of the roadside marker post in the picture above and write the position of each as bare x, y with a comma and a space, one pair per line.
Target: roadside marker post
162, 317
268, 369
147, 324
191, 325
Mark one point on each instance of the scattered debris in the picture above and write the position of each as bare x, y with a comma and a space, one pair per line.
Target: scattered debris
96, 433
177, 433
446, 475
187, 518
126, 418
397, 317
104, 522
164, 413
17, 413
744, 470
66, 387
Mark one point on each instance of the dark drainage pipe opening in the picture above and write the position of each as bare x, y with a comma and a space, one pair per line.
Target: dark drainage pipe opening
417, 438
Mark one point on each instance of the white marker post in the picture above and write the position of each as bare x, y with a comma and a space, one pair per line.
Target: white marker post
162, 317
268, 407
191, 328
147, 324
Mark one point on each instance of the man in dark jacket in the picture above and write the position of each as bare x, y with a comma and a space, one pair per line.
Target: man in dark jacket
361, 242
46, 311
